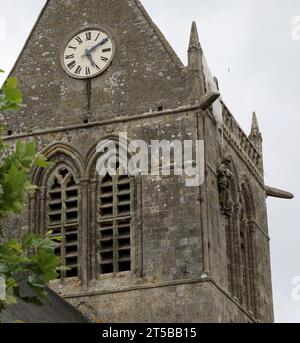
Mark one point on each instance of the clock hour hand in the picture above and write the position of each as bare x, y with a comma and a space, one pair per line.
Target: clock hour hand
90, 58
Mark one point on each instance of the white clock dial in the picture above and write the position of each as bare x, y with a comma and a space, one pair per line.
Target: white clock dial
88, 53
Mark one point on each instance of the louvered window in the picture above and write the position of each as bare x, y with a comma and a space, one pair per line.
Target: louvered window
114, 214
63, 218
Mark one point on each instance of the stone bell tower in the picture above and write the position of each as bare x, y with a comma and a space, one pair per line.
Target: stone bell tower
144, 248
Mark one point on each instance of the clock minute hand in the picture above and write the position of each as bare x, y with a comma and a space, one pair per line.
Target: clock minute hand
105, 40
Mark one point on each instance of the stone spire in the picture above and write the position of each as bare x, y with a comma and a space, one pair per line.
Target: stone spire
254, 127
255, 135
194, 38
194, 51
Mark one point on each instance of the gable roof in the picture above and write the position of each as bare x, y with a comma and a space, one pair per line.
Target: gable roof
171, 52
160, 35
57, 310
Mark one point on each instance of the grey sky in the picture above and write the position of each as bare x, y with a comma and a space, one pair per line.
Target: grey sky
249, 47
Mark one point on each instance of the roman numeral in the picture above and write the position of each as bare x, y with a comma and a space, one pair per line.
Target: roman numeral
106, 50
87, 71
72, 47
68, 57
79, 40
88, 35
97, 67
105, 59
78, 70
98, 36
71, 65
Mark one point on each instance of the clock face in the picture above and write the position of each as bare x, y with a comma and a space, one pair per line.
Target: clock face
88, 53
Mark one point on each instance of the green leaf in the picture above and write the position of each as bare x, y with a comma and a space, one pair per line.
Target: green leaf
63, 269
4, 268
35, 281
11, 91
11, 282
41, 161
14, 183
25, 153
10, 296
32, 259
10, 95
32, 300
48, 263
10, 300
27, 240
15, 245
9, 107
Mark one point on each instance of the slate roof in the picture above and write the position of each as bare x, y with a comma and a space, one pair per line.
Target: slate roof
57, 310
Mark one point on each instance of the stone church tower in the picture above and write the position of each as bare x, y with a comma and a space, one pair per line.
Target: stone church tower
144, 248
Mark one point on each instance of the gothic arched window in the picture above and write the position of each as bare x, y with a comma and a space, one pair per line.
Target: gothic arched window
246, 249
239, 242
114, 222
62, 216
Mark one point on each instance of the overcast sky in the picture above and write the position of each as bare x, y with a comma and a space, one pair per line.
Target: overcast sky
249, 47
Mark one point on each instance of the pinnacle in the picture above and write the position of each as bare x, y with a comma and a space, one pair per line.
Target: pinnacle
194, 38
254, 126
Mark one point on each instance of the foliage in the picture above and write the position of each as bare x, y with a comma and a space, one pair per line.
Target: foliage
31, 260
10, 96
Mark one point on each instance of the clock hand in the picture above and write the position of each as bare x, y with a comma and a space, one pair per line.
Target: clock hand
88, 51
90, 58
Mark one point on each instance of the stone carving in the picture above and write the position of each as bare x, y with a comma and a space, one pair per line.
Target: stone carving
224, 183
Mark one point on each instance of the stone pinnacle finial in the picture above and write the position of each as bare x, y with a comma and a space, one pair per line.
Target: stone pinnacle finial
254, 127
194, 51
194, 39
255, 134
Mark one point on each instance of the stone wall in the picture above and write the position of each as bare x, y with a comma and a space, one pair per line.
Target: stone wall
178, 232
189, 302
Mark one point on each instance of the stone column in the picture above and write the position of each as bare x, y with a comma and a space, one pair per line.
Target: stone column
41, 219
83, 231
32, 212
138, 228
93, 231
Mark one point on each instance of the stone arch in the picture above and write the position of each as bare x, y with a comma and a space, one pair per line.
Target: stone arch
231, 227
58, 152
93, 154
61, 213
246, 244
239, 239
246, 190
234, 184
97, 225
